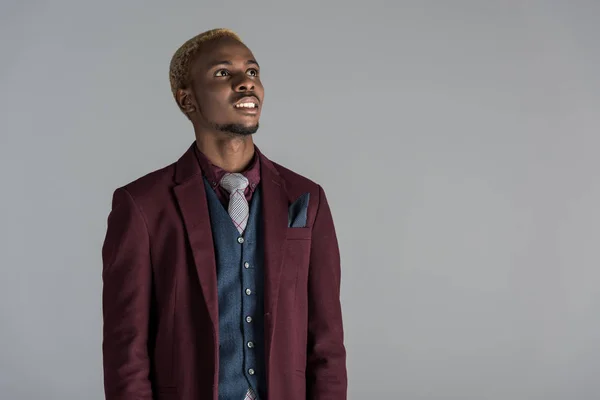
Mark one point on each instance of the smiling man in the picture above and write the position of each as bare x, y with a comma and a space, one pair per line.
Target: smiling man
221, 271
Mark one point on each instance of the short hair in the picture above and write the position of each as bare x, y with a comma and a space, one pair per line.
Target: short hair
179, 70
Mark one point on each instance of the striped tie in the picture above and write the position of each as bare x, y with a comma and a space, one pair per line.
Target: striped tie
235, 184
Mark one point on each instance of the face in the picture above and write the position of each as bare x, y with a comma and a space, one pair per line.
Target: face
226, 93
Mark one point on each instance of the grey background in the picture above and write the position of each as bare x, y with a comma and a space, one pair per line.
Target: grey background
457, 142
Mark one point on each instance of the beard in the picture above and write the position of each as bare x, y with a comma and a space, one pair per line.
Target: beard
237, 129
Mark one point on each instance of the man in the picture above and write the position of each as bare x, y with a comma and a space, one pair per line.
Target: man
221, 271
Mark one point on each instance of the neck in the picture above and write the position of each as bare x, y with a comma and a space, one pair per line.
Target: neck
231, 153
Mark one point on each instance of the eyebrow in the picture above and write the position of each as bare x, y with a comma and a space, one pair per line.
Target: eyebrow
225, 62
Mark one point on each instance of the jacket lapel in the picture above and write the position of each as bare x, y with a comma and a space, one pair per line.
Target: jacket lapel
191, 196
275, 217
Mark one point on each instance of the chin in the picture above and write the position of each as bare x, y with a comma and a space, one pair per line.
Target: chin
238, 129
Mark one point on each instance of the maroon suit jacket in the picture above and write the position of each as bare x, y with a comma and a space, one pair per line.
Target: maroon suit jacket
159, 297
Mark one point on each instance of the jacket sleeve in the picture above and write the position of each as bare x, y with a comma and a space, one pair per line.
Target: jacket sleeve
326, 376
126, 275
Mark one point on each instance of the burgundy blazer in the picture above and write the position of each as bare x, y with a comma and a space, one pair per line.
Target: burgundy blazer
159, 296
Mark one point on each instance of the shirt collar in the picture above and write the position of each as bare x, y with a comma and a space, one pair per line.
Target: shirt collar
214, 174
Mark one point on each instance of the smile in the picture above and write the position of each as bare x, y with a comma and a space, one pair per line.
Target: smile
246, 105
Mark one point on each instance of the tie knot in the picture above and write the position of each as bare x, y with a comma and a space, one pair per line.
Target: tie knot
234, 181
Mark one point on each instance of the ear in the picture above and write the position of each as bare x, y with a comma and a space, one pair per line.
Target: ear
186, 101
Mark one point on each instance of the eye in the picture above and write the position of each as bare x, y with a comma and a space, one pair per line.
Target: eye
252, 72
222, 72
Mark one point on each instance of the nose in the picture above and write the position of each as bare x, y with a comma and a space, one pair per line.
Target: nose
244, 84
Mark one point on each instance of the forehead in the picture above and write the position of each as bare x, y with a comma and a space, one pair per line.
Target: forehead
224, 49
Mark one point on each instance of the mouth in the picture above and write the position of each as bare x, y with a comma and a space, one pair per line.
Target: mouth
247, 105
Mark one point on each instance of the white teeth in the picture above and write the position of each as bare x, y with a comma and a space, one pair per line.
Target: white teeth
245, 105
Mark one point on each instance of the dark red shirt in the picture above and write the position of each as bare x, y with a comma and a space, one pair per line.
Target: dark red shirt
214, 175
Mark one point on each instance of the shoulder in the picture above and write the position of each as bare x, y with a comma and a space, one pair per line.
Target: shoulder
295, 181
297, 185
151, 187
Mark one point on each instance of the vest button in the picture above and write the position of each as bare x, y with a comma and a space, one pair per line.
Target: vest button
248, 292
240, 240
248, 319
250, 345
251, 371
246, 265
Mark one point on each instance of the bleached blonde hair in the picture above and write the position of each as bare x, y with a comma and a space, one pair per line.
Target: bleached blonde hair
179, 69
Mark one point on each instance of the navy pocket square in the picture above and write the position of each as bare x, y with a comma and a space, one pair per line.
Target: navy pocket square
298, 211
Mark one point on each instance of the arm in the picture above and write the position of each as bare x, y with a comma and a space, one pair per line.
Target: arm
326, 358
126, 275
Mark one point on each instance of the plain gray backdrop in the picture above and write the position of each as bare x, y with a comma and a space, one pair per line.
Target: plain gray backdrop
457, 141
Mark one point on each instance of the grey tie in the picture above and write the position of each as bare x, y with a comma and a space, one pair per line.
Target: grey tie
235, 184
